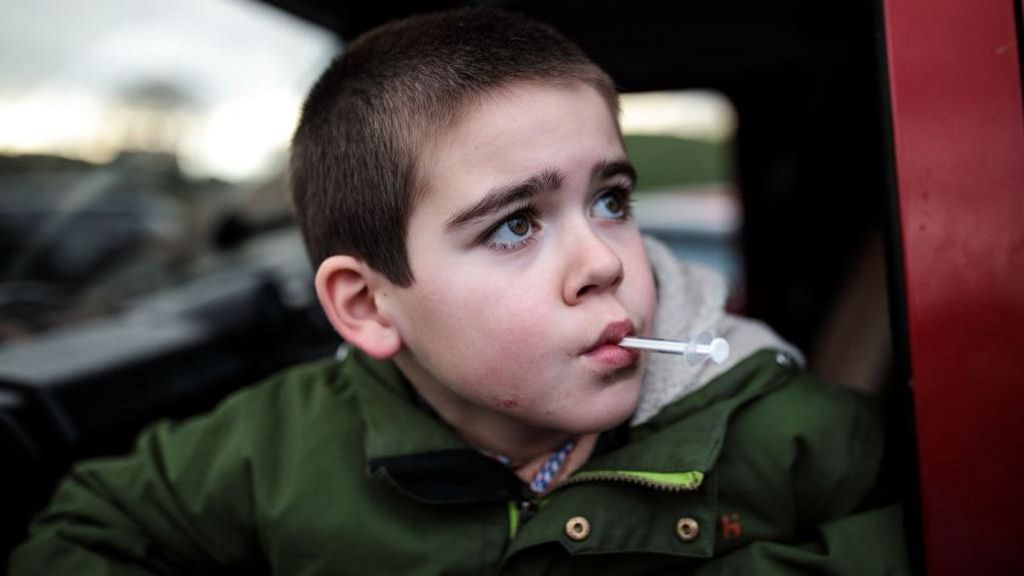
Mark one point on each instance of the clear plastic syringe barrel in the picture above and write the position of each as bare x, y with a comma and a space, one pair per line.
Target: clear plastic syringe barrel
705, 346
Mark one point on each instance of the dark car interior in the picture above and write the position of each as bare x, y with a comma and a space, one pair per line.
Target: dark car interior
819, 239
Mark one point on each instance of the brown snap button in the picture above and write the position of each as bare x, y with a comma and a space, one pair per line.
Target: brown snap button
687, 529
577, 528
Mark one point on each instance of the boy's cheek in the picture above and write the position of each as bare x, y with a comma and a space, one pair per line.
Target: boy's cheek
505, 351
645, 292
474, 341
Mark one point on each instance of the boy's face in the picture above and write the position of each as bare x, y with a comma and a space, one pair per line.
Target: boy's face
527, 264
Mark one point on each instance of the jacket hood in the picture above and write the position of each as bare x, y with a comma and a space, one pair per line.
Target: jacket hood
691, 300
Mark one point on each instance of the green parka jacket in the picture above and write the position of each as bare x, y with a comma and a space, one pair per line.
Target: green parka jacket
333, 468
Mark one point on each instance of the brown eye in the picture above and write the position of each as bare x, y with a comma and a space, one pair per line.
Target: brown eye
611, 205
518, 225
514, 231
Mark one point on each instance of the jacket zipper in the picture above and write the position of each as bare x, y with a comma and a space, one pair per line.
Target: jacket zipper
681, 482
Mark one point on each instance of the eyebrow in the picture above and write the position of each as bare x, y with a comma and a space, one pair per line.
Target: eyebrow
498, 198
610, 168
546, 181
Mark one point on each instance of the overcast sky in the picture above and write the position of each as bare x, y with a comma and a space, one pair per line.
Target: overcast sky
211, 49
241, 68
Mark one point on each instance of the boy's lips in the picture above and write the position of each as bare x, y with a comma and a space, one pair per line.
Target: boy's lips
606, 349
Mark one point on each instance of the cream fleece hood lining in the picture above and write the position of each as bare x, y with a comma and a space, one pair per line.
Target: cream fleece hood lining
691, 300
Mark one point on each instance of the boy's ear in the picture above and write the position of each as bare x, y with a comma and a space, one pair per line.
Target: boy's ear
346, 288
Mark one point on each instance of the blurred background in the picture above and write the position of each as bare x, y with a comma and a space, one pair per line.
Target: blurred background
139, 140
142, 142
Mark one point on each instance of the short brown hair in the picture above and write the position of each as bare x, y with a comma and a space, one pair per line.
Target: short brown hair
354, 154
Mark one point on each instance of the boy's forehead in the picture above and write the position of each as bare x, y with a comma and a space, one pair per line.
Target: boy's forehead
516, 108
518, 131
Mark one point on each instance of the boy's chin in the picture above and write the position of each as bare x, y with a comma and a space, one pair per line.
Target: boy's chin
597, 419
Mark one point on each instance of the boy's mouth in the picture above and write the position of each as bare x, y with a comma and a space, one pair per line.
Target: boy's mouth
606, 349
613, 333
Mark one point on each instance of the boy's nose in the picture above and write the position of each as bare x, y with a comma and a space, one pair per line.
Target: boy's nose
593, 268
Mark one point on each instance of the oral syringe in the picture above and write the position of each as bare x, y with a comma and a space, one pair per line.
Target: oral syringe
696, 351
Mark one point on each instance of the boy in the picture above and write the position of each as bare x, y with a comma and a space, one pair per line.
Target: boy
463, 191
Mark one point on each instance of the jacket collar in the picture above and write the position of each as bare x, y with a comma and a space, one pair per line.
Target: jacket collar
424, 457
408, 446
687, 435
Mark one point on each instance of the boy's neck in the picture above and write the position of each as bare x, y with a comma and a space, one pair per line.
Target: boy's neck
507, 438
576, 458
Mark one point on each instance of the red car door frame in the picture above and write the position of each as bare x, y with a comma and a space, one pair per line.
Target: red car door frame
958, 139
